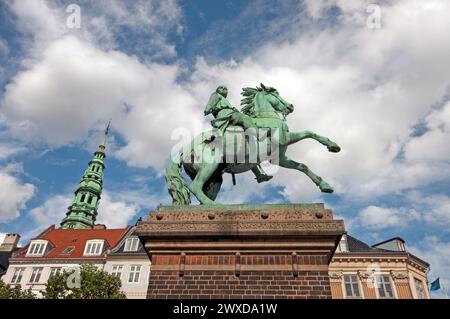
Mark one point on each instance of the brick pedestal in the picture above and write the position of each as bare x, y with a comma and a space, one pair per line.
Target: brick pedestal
240, 251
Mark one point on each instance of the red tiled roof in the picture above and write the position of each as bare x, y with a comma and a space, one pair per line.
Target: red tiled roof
61, 239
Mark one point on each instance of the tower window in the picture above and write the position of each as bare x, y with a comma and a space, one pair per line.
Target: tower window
83, 197
90, 199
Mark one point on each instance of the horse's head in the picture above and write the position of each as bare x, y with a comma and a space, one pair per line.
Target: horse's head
264, 99
276, 101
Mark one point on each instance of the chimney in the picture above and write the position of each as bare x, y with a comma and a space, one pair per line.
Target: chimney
10, 242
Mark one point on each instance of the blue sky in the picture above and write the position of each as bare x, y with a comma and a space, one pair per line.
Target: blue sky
381, 93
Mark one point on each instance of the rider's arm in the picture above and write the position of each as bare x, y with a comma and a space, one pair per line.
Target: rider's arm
210, 107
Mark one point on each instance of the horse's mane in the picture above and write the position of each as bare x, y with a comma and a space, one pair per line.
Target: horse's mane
249, 94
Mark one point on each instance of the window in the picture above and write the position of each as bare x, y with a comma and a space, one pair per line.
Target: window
385, 287
135, 272
117, 271
55, 271
37, 248
82, 198
68, 250
36, 275
351, 286
17, 276
93, 248
90, 199
131, 244
419, 288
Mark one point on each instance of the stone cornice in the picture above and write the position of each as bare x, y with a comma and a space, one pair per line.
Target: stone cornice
292, 220
381, 256
370, 257
233, 228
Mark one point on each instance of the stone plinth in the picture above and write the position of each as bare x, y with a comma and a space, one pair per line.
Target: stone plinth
240, 251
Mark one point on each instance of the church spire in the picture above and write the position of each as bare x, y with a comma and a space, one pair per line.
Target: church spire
82, 212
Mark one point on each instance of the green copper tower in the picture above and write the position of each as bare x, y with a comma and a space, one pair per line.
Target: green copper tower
82, 212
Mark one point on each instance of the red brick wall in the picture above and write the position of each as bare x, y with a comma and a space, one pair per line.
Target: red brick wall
246, 276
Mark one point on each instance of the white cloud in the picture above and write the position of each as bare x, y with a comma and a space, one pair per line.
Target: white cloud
365, 89
13, 193
115, 214
435, 208
430, 210
51, 212
76, 86
8, 150
112, 213
435, 139
39, 19
374, 217
102, 23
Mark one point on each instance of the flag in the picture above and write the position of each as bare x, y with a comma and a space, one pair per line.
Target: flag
435, 285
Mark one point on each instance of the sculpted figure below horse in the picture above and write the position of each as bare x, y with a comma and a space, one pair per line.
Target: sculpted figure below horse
240, 142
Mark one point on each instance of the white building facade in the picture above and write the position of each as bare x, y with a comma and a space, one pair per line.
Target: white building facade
56, 250
129, 261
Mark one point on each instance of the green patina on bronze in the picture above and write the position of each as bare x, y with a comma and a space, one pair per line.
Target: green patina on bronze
82, 212
263, 109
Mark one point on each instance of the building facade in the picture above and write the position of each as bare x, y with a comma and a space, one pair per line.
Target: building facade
56, 250
382, 271
129, 262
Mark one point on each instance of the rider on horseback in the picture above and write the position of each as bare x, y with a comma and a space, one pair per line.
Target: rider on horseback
226, 115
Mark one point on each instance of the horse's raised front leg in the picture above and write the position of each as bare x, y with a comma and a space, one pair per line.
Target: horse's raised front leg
294, 137
203, 175
288, 163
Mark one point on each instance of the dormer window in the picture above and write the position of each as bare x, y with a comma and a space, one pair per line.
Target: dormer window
131, 244
37, 248
93, 247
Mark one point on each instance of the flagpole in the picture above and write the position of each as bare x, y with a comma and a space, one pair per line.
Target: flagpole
445, 290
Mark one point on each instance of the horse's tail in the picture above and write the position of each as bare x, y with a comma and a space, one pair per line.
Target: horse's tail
176, 184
